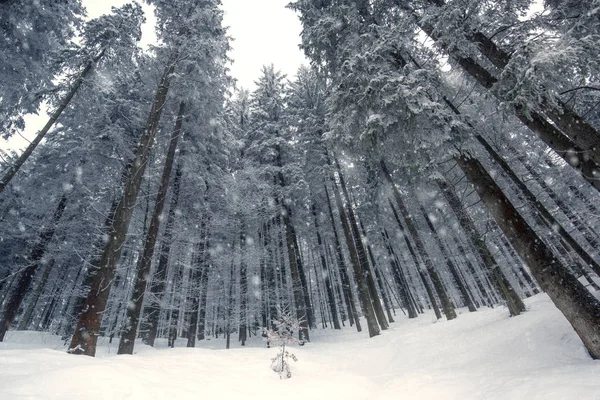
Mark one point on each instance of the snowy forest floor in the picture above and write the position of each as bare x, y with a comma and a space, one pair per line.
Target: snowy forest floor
482, 355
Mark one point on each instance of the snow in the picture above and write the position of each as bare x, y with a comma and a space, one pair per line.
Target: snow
482, 355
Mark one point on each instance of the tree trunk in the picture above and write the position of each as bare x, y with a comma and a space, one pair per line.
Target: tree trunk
87, 330
557, 140
14, 168
26, 276
243, 334
437, 282
543, 212
362, 253
363, 289
157, 287
27, 315
464, 292
127, 342
514, 303
346, 286
299, 298
579, 306
399, 277
328, 286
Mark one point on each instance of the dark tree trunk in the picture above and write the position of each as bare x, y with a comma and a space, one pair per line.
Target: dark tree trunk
87, 330
346, 286
437, 282
243, 334
546, 216
401, 283
14, 168
25, 277
127, 342
362, 253
27, 315
328, 286
514, 303
204, 288
464, 292
363, 289
578, 305
569, 144
299, 295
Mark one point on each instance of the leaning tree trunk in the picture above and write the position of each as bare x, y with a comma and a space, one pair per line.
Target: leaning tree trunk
25, 277
363, 289
27, 315
399, 277
346, 286
437, 282
144, 263
569, 147
157, 287
568, 121
14, 168
362, 253
462, 287
243, 334
415, 258
577, 304
546, 216
327, 283
514, 303
88, 327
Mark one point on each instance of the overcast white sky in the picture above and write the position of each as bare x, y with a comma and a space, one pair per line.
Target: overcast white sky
264, 32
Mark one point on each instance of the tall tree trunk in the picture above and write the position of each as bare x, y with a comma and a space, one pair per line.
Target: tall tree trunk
299, 298
127, 342
25, 277
158, 284
568, 121
415, 258
514, 303
204, 288
16, 166
579, 306
546, 216
412, 229
243, 334
399, 277
87, 330
464, 292
363, 289
346, 286
27, 315
362, 253
559, 141
328, 286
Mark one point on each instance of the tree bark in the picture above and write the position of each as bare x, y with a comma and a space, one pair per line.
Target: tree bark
579, 306
14, 168
87, 330
362, 253
127, 342
26, 276
464, 292
363, 289
543, 212
243, 334
346, 286
435, 279
328, 286
514, 303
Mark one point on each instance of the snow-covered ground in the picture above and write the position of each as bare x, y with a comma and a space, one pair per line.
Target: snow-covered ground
483, 355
